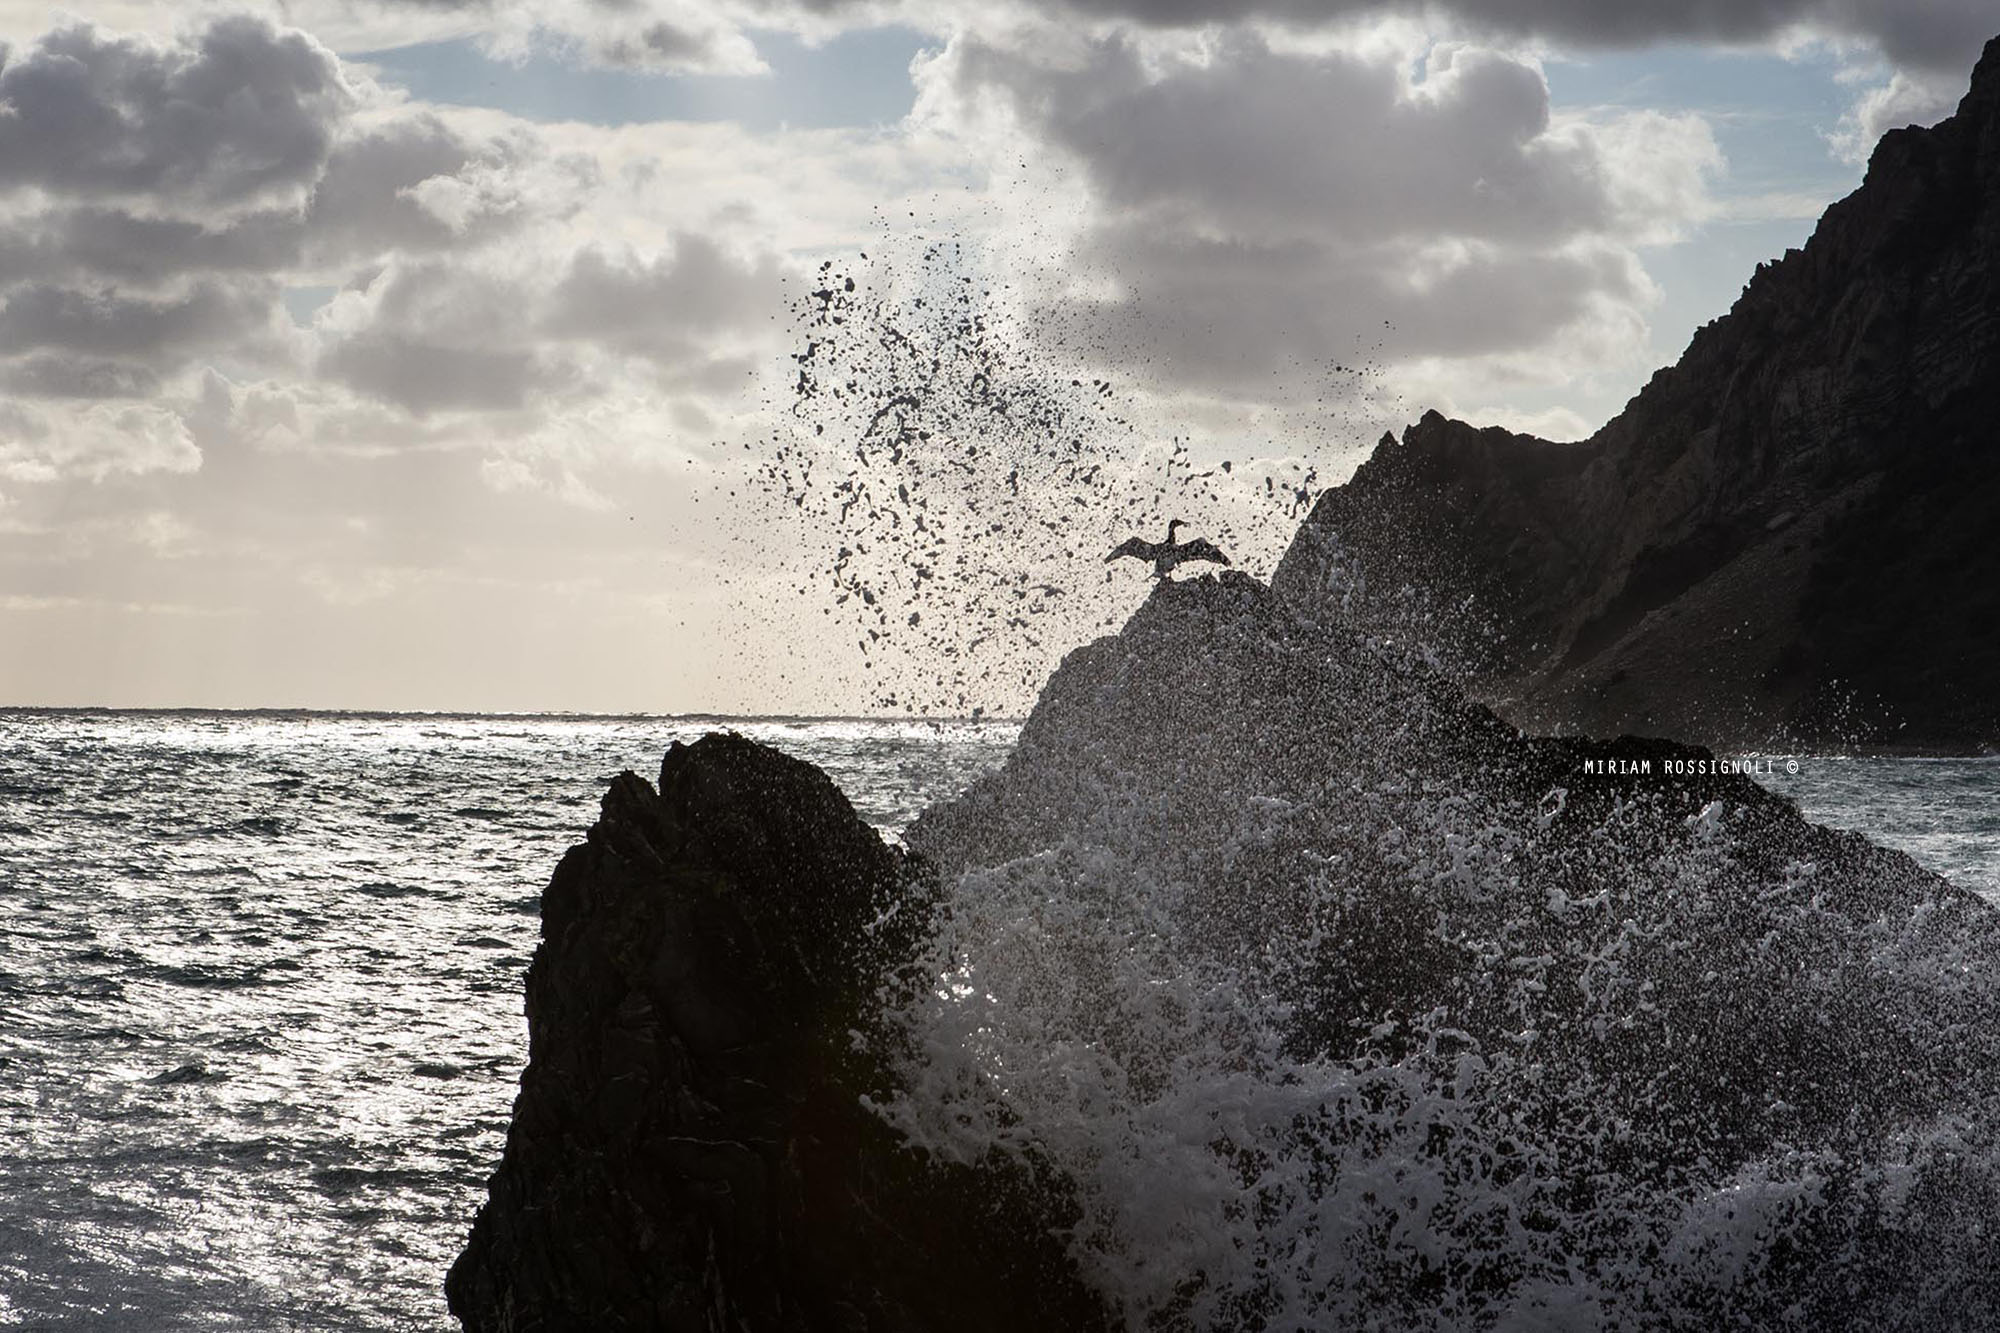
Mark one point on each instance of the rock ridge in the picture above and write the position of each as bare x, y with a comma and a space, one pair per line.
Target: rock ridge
1783, 539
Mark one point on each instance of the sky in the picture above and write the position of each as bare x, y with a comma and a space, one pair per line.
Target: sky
446, 354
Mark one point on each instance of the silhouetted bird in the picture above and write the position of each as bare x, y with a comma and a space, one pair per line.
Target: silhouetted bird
1169, 553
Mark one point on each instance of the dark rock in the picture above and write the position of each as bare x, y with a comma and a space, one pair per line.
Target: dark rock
188, 1073
1786, 537
690, 1148
1608, 995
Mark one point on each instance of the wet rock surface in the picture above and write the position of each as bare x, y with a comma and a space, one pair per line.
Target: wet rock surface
690, 1147
1271, 983
1576, 1029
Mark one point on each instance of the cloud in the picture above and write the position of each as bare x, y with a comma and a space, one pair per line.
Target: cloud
146, 249
1941, 38
671, 306
174, 190
434, 336
506, 334
1939, 35
1257, 209
92, 442
153, 192
371, 197
105, 324
407, 183
1334, 145
423, 377
1905, 99
62, 376
1928, 45
237, 113
674, 37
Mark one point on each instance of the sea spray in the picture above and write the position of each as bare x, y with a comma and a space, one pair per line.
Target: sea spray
1284, 956
956, 460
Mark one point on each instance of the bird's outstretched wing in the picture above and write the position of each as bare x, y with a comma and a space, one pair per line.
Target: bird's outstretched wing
1201, 549
1136, 547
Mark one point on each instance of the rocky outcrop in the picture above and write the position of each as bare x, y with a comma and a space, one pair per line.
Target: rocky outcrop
690, 1148
1489, 1029
1786, 537
1270, 984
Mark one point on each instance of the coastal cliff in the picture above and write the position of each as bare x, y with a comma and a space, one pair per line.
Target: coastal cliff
690, 1148
1786, 538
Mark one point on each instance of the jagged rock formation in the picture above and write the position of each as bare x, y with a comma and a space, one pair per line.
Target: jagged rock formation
1404, 1018
1270, 984
1787, 536
690, 1149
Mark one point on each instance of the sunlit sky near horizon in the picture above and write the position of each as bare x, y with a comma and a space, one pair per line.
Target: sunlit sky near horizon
407, 354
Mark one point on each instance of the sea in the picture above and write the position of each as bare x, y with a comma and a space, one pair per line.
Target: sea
261, 979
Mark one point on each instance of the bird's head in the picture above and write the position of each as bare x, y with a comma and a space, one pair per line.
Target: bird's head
1172, 525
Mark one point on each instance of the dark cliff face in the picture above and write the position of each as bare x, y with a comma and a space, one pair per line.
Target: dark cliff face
1788, 535
689, 1149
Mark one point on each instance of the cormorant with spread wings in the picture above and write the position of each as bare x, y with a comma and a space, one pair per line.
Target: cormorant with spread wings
1169, 553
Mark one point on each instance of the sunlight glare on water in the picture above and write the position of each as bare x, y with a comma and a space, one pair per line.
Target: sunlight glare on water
260, 991
260, 981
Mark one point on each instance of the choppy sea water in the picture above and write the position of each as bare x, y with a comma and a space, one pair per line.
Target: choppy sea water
1943, 812
260, 992
260, 981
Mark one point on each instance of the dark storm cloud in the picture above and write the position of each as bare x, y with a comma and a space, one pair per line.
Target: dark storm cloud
1942, 35
238, 111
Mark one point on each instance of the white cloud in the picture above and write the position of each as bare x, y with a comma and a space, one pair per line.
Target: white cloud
1904, 99
661, 36
92, 442
1256, 210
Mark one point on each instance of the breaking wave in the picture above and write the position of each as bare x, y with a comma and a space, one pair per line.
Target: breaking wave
1338, 1005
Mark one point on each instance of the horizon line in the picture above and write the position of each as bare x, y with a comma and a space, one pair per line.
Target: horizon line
203, 710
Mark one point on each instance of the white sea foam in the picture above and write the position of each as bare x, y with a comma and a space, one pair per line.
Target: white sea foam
1431, 1178
1364, 1050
